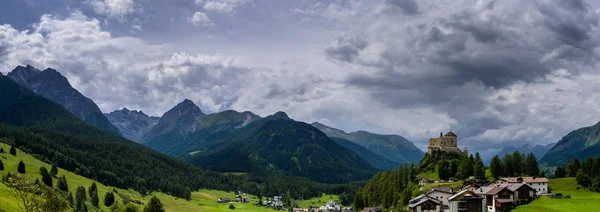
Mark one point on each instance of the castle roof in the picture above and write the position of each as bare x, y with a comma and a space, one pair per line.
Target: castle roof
450, 133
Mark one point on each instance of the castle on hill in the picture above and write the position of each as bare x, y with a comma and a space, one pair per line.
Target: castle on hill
446, 143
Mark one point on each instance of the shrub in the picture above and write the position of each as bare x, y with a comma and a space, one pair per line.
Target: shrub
231, 206
21, 168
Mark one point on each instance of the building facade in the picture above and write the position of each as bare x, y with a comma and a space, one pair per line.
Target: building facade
445, 143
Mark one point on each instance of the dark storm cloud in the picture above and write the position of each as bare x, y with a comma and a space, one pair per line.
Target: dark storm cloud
456, 60
410, 7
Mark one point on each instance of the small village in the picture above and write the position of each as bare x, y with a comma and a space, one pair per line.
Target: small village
276, 203
479, 195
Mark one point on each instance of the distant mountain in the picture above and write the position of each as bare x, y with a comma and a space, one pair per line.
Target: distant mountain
52, 85
373, 159
538, 150
176, 123
204, 136
133, 124
393, 147
581, 143
281, 146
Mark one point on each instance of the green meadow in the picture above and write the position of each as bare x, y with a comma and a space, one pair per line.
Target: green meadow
203, 200
581, 199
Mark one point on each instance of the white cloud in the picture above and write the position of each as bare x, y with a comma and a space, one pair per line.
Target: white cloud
219, 7
113, 8
200, 19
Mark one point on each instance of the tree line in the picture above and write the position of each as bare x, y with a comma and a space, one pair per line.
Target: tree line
514, 165
587, 173
389, 189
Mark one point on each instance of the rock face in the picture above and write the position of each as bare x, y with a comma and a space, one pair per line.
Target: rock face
581, 143
54, 86
133, 124
393, 147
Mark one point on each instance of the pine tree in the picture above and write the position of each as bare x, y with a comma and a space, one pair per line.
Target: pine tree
70, 199
478, 167
62, 184
93, 191
80, 197
583, 179
507, 164
13, 150
532, 165
54, 170
1, 165
559, 172
109, 199
574, 168
464, 169
496, 167
21, 168
47, 179
43, 171
1, 150
155, 205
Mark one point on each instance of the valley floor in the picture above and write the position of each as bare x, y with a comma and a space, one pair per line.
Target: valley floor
581, 199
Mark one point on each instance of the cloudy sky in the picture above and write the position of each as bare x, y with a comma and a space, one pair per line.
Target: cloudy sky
496, 73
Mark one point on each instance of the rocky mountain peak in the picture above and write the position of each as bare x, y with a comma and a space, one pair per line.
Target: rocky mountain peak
54, 86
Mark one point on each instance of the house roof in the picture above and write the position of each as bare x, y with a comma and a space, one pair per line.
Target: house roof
504, 200
525, 179
442, 189
450, 133
423, 200
465, 193
483, 190
515, 186
497, 190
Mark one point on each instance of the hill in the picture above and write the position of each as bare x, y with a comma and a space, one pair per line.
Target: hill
54, 86
281, 146
393, 147
581, 143
202, 200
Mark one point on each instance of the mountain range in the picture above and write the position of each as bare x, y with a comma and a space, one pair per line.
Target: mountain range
538, 150
393, 147
53, 86
581, 143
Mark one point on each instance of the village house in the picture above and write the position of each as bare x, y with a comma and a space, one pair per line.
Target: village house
523, 193
425, 204
497, 198
224, 200
331, 206
424, 181
539, 184
467, 201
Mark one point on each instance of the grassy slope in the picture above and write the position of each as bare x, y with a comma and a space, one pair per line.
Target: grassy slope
581, 200
32, 167
317, 201
204, 200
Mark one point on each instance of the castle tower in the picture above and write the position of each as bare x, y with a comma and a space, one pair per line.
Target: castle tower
466, 151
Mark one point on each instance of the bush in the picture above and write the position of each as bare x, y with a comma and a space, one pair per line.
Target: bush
231, 206
13, 151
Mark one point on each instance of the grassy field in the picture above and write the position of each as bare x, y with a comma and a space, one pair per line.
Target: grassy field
317, 201
430, 174
203, 200
581, 200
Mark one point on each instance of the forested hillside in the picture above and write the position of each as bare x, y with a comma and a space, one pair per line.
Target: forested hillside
277, 145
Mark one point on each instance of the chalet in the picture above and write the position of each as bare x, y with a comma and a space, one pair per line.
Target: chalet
425, 204
373, 209
523, 193
424, 181
497, 199
224, 200
331, 206
539, 184
467, 201
277, 199
440, 193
